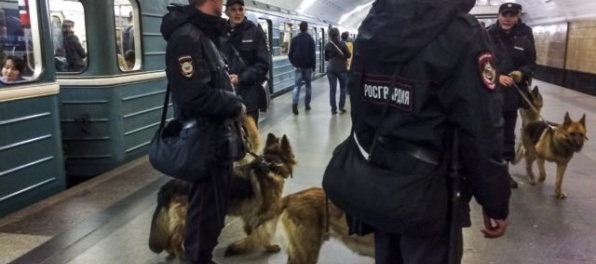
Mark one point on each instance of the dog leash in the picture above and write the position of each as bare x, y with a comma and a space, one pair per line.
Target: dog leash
525, 97
267, 164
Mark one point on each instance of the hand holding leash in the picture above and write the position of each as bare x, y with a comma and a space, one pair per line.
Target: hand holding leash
506, 80
517, 76
234, 79
494, 228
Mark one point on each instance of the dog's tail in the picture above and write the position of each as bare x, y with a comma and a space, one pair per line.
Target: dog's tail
160, 233
520, 152
250, 125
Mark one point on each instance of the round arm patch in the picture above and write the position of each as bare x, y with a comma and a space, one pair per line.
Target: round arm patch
488, 71
186, 66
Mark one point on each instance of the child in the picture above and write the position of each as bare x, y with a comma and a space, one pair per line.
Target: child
12, 69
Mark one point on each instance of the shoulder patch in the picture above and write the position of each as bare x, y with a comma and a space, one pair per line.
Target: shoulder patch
487, 70
186, 66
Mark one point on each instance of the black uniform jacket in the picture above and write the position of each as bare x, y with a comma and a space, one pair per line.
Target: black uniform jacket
196, 71
436, 70
514, 52
249, 40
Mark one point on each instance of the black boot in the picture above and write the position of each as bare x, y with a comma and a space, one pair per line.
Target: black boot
512, 183
295, 109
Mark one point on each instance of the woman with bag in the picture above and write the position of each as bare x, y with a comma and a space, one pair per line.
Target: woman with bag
337, 54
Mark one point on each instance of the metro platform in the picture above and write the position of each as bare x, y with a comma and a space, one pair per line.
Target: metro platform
107, 219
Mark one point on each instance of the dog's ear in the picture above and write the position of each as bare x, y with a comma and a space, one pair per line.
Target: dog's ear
285, 144
271, 139
535, 91
567, 121
583, 122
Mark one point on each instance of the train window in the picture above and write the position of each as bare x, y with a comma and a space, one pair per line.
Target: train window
69, 35
285, 38
20, 39
264, 25
126, 19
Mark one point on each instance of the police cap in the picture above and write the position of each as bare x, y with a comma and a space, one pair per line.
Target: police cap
510, 7
233, 2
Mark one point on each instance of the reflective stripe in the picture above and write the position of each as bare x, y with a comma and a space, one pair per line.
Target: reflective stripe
362, 151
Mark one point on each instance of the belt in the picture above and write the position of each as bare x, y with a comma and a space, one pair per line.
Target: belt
423, 154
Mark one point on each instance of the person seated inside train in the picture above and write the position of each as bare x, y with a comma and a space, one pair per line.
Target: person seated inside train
129, 57
12, 69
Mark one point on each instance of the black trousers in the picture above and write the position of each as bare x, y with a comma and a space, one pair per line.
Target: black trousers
396, 249
510, 118
208, 203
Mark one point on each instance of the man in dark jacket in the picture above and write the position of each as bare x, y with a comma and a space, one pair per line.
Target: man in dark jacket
513, 47
201, 90
128, 36
74, 52
302, 55
433, 77
245, 48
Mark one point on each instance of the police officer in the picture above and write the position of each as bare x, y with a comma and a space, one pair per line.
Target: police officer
513, 47
245, 48
201, 90
443, 76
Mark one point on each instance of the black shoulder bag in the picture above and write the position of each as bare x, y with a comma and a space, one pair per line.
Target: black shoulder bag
414, 203
183, 150
262, 88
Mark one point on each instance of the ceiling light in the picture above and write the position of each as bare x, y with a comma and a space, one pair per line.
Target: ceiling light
357, 9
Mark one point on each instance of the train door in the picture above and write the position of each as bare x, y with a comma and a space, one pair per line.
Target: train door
267, 27
315, 35
321, 46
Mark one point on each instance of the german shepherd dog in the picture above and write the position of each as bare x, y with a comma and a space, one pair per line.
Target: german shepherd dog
304, 225
557, 143
256, 192
528, 114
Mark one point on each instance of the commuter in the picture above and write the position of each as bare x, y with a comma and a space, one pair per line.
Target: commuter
128, 35
201, 90
303, 57
12, 69
74, 52
514, 50
245, 48
411, 87
345, 38
337, 53
129, 58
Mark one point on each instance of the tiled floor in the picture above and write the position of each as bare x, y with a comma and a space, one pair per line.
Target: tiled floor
107, 220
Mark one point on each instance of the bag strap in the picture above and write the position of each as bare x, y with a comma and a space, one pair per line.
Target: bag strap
238, 55
384, 112
342, 53
164, 111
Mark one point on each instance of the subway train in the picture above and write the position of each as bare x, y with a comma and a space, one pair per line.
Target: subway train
63, 121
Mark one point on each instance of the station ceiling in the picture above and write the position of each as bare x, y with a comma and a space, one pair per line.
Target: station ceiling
349, 13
